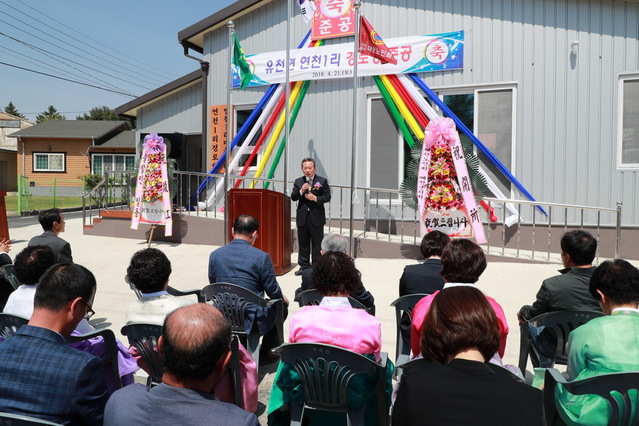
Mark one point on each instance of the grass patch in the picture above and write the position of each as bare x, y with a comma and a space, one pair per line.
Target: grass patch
41, 203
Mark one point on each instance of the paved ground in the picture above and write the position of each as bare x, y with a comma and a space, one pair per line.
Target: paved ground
511, 284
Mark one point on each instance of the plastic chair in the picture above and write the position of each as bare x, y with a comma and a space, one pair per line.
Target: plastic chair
9, 419
232, 300
6, 273
172, 291
312, 297
602, 385
9, 324
325, 372
562, 323
144, 337
111, 359
403, 305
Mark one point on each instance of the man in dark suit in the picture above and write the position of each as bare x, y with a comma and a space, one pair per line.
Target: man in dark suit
40, 375
335, 242
195, 346
423, 278
311, 191
53, 224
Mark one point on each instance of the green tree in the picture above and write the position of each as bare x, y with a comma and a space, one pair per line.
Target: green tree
104, 113
50, 114
11, 109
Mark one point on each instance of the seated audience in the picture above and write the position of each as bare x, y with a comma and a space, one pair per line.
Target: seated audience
195, 345
424, 278
5, 286
454, 384
463, 262
40, 375
5, 247
53, 224
336, 242
609, 344
149, 272
332, 322
29, 266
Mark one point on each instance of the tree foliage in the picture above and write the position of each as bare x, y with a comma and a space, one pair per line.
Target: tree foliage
11, 109
50, 114
104, 113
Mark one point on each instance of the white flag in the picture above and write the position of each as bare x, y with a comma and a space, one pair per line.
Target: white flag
307, 8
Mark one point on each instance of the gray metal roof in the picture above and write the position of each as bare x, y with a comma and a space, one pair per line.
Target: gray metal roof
130, 109
125, 139
73, 129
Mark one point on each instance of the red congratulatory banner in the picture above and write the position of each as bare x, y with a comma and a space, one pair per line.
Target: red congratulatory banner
333, 18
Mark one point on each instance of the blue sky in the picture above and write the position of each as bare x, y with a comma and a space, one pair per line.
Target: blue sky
141, 53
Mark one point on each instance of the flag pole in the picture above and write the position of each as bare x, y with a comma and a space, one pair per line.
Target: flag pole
229, 83
356, 5
288, 93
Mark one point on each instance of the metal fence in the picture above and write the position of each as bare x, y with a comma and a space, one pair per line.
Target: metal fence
519, 229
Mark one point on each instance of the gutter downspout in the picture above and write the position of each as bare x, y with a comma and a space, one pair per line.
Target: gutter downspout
204, 66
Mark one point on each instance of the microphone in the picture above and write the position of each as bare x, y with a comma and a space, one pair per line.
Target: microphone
308, 180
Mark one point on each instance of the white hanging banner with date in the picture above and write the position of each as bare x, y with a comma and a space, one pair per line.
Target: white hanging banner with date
152, 203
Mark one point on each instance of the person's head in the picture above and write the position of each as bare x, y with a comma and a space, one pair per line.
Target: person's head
334, 242
149, 270
335, 274
615, 283
578, 248
433, 244
52, 220
459, 319
463, 261
195, 342
66, 291
308, 167
32, 262
245, 227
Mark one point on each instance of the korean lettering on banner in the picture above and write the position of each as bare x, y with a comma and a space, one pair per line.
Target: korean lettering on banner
333, 18
217, 128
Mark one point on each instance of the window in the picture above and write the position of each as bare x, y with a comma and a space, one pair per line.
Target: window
240, 118
49, 162
112, 162
628, 147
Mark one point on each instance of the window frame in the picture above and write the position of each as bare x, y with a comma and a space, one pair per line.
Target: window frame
48, 154
620, 99
112, 155
236, 129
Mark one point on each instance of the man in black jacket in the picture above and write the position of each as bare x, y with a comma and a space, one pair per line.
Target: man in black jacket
311, 191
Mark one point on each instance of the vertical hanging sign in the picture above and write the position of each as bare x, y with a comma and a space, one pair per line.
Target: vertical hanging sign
333, 18
152, 202
217, 128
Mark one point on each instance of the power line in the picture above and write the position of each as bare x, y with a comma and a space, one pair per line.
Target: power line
67, 79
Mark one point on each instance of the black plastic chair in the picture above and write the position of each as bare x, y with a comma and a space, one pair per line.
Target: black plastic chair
144, 337
325, 372
602, 385
110, 363
172, 291
403, 306
561, 323
9, 324
10, 419
231, 300
312, 297
6, 273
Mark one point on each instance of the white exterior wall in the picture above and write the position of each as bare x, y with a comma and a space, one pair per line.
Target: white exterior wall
566, 128
180, 112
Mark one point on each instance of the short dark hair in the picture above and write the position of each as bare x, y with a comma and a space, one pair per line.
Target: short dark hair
618, 280
335, 273
245, 224
149, 270
580, 245
32, 262
433, 244
62, 283
307, 159
48, 217
463, 261
195, 337
459, 319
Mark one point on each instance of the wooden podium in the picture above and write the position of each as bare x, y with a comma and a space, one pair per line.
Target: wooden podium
4, 225
273, 211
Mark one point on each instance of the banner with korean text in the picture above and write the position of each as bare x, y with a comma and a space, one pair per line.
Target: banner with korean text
426, 53
333, 18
